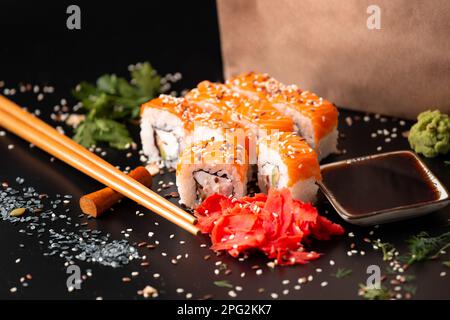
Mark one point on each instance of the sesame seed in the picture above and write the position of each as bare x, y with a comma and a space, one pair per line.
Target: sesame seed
232, 294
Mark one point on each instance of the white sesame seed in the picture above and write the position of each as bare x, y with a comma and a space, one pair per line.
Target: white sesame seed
273, 295
443, 274
324, 284
332, 262
259, 272
13, 289
232, 294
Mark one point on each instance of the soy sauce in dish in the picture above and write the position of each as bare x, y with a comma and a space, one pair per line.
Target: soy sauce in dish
379, 183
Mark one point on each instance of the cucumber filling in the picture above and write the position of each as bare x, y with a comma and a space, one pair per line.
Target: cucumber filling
271, 175
167, 144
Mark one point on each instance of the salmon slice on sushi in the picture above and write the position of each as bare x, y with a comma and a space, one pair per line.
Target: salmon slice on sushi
209, 167
165, 127
257, 115
315, 118
212, 125
285, 160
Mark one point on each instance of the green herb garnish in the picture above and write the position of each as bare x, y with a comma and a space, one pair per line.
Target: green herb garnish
423, 246
373, 293
89, 132
342, 273
387, 248
410, 289
223, 284
111, 103
446, 263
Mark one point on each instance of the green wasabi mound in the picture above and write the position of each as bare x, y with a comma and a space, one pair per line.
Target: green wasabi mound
430, 136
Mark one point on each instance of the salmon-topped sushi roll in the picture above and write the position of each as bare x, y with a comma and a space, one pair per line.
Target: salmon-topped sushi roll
285, 160
208, 167
258, 115
316, 118
214, 125
166, 122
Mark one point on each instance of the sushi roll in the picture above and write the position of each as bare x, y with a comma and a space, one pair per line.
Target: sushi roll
315, 118
216, 126
209, 167
166, 123
285, 160
259, 116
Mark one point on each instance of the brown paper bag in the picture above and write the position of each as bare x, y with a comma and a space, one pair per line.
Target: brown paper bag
326, 46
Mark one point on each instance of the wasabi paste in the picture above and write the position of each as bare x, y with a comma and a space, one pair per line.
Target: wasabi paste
430, 136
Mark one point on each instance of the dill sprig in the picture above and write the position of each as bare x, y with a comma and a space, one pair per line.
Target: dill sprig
422, 246
387, 249
342, 273
374, 293
223, 284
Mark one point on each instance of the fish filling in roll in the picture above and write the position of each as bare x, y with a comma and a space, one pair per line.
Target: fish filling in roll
208, 183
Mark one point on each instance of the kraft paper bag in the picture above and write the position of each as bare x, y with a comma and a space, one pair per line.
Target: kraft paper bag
327, 47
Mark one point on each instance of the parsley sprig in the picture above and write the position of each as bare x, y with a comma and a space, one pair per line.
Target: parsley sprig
112, 103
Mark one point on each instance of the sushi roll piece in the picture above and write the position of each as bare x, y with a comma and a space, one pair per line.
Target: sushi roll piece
165, 128
216, 126
315, 118
209, 167
259, 116
285, 160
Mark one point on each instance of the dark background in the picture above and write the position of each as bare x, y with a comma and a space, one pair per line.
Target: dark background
180, 36
174, 36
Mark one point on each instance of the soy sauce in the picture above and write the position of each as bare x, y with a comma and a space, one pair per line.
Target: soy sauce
379, 183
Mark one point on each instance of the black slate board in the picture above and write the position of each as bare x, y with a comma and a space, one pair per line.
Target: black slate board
60, 58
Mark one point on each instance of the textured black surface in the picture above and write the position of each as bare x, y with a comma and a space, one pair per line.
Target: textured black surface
38, 49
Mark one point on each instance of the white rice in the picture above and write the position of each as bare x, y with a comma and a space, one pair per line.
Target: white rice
304, 190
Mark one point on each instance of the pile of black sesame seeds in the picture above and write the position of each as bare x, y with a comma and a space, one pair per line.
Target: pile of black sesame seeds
39, 219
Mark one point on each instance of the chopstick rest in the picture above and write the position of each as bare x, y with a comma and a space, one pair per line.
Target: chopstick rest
96, 203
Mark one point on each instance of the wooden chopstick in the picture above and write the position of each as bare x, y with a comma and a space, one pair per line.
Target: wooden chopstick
30, 128
16, 111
